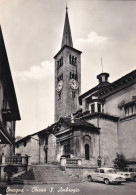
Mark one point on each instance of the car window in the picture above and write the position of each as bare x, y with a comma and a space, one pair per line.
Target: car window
97, 171
101, 171
125, 170
131, 169
111, 171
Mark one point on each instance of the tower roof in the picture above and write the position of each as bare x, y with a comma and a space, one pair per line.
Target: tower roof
67, 38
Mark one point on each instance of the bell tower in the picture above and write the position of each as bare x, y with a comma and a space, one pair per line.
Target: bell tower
67, 75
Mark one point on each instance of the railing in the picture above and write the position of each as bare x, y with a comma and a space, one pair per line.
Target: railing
23, 163
72, 161
15, 160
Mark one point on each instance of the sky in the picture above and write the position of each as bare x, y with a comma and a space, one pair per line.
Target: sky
32, 31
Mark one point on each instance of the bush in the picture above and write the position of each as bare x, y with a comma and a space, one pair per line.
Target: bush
119, 161
9, 170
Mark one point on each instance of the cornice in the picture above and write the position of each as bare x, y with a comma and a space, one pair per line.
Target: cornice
101, 116
66, 46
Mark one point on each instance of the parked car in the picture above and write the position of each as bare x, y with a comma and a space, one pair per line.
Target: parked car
107, 175
129, 173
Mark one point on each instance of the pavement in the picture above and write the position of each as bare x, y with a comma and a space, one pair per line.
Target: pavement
84, 188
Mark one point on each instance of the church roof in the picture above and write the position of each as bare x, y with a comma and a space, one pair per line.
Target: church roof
67, 38
93, 90
77, 122
103, 90
121, 83
54, 128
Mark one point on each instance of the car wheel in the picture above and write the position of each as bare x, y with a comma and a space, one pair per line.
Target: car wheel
119, 183
134, 178
90, 178
106, 181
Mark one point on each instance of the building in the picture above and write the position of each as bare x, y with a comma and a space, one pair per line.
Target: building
96, 124
9, 112
35, 146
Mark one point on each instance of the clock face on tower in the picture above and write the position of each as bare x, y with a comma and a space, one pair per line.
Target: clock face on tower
73, 84
59, 86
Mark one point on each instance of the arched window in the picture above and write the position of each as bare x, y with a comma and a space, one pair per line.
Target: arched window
86, 151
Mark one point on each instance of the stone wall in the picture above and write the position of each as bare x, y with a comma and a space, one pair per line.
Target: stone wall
42, 154
82, 137
108, 141
52, 148
66, 105
112, 102
127, 137
126, 124
31, 148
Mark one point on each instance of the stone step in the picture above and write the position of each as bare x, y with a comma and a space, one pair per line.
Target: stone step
23, 178
30, 174
49, 175
26, 175
20, 179
27, 182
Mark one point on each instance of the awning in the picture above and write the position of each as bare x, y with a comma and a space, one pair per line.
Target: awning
5, 138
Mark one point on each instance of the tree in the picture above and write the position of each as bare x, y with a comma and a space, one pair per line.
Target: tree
119, 161
9, 170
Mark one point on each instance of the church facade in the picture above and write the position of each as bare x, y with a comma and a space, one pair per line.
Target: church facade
96, 124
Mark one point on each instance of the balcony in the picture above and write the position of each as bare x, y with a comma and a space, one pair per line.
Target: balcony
7, 114
5, 138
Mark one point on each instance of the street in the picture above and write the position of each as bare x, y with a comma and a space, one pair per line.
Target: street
84, 188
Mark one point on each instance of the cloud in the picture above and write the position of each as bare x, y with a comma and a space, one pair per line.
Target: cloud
46, 69
94, 39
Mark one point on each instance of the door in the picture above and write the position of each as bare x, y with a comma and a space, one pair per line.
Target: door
86, 151
46, 156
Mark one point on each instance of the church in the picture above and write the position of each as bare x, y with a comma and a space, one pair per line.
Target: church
97, 124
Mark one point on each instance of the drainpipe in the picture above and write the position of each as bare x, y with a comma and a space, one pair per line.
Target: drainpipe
99, 134
99, 157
